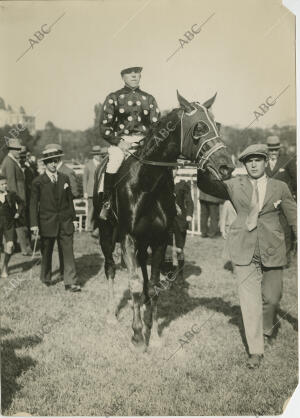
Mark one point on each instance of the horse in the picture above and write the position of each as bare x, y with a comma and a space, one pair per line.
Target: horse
145, 207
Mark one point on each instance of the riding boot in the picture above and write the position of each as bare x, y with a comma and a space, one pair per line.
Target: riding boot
109, 180
4, 265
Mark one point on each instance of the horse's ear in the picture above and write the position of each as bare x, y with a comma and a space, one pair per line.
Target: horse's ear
184, 104
208, 104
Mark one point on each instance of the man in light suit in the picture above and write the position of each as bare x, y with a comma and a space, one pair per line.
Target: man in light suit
13, 171
88, 183
52, 215
256, 242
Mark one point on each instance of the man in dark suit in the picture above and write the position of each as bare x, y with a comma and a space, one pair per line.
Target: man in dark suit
52, 214
281, 167
209, 215
284, 168
256, 242
30, 172
12, 170
10, 208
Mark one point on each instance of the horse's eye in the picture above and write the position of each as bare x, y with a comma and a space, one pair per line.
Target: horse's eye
200, 129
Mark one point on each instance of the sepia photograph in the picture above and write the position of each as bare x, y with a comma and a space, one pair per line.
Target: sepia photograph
148, 207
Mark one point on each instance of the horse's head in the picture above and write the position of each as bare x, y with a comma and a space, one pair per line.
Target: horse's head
200, 139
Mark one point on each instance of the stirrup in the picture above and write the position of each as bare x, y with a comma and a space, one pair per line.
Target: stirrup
105, 210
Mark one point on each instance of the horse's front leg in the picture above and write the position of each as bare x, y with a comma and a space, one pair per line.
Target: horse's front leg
129, 250
107, 243
158, 253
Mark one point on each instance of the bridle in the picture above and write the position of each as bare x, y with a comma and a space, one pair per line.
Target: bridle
202, 156
213, 143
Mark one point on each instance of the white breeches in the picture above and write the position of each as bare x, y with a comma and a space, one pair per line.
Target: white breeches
115, 159
116, 155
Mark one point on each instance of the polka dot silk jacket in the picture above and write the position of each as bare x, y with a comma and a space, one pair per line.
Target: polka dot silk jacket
127, 112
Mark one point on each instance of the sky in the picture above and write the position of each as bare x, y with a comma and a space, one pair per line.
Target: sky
244, 51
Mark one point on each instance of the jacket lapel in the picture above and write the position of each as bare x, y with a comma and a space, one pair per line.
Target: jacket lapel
276, 167
45, 178
269, 192
60, 184
246, 188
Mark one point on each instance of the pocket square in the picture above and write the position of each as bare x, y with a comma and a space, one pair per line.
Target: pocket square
277, 203
66, 186
281, 170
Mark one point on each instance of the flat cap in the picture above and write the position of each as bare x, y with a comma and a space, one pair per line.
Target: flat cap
128, 69
254, 149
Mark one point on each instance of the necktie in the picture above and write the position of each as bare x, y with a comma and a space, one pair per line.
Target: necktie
251, 221
53, 179
272, 164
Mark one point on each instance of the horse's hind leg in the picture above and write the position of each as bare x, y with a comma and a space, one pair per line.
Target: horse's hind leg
158, 252
145, 302
135, 287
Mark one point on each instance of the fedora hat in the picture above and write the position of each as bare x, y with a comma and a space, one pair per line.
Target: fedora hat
273, 142
14, 143
52, 151
254, 149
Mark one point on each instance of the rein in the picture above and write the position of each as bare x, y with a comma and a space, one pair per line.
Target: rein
161, 163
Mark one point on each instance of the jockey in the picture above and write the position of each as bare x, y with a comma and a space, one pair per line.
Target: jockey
127, 116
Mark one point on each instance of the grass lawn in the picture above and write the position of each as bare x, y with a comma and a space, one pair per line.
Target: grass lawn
60, 357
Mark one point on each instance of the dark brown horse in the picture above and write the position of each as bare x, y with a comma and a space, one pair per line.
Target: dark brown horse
145, 203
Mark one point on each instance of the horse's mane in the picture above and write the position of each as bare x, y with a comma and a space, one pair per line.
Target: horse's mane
154, 139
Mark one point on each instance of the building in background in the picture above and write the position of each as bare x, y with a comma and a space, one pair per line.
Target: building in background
11, 117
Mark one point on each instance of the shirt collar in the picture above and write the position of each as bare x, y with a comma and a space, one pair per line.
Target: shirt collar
50, 175
261, 180
127, 89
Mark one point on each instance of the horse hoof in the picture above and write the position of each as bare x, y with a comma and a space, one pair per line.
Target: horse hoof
156, 342
138, 343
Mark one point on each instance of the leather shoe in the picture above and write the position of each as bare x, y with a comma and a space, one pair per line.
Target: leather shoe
47, 284
254, 361
73, 287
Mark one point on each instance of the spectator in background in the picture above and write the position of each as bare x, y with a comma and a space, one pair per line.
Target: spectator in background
227, 217
88, 183
30, 172
185, 211
282, 167
209, 215
10, 204
64, 169
13, 171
